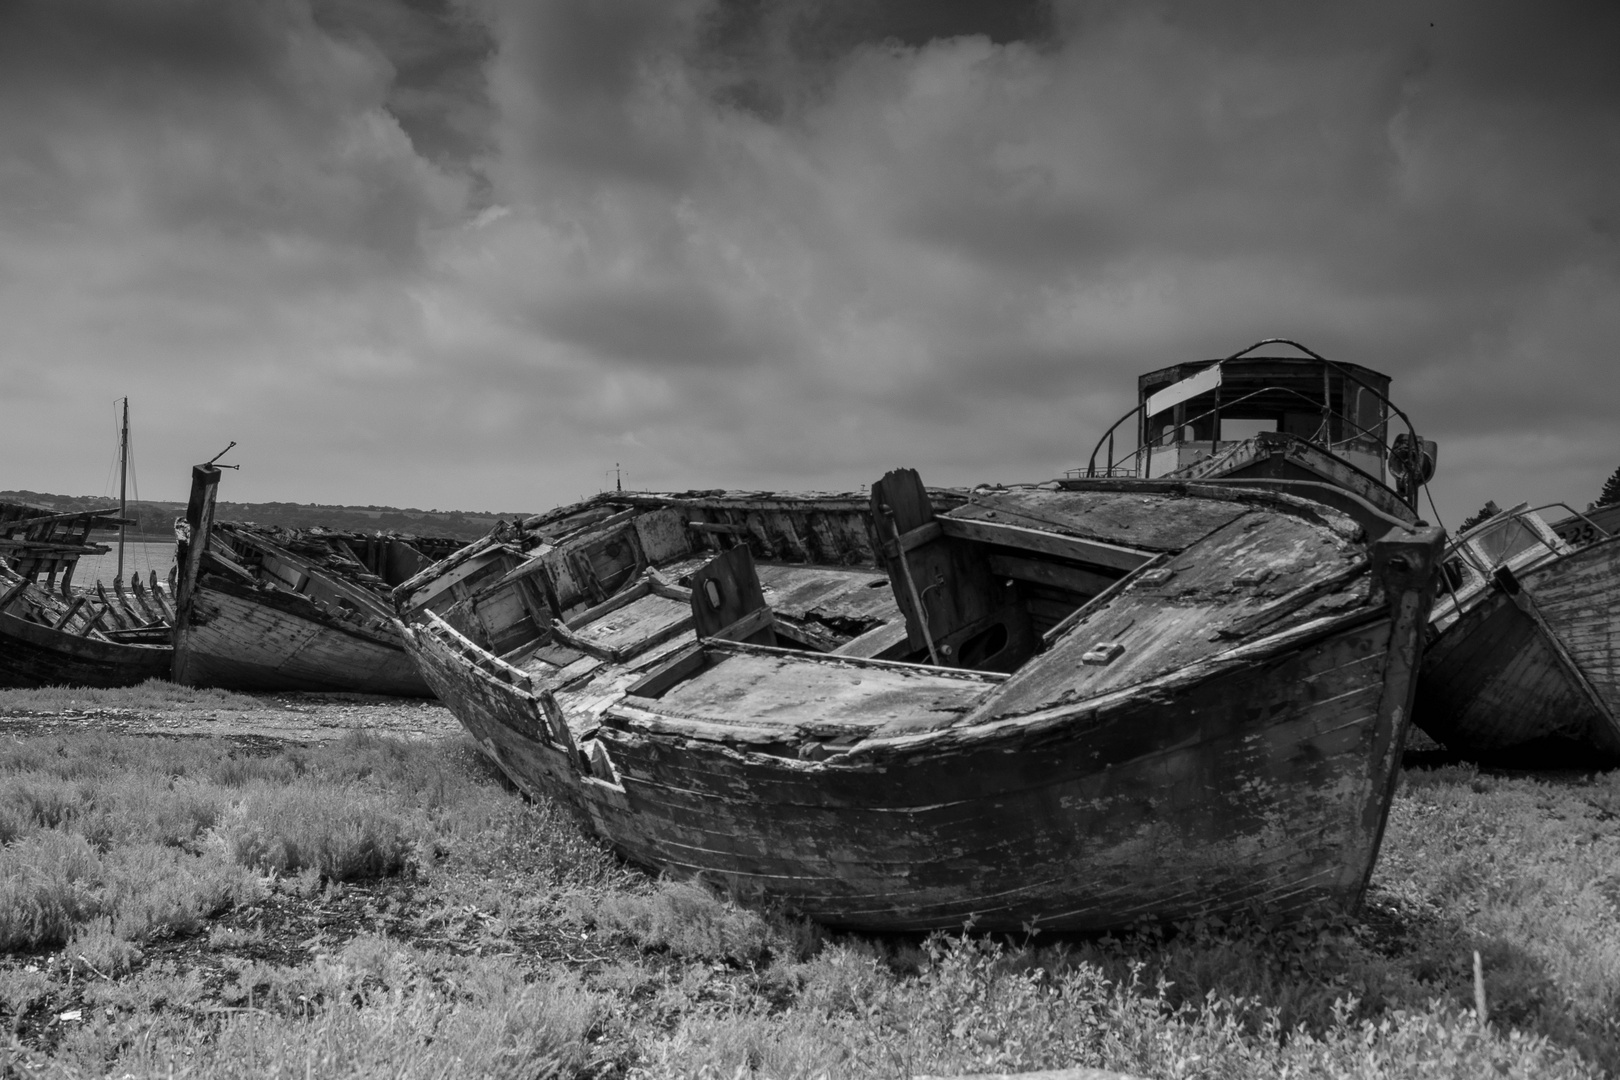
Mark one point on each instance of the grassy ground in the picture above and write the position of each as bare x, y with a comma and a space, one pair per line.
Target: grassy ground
372, 907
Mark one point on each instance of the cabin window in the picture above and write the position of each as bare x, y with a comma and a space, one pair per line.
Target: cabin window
1237, 429
1500, 542
1366, 414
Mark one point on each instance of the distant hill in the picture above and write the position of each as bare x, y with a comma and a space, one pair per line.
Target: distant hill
157, 518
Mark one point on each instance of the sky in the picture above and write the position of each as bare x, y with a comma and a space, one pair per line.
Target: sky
472, 254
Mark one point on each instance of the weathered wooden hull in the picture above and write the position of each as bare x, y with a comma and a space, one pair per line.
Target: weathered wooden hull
1539, 675
240, 638
1262, 780
33, 655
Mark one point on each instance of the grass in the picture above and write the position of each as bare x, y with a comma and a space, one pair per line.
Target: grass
151, 695
377, 907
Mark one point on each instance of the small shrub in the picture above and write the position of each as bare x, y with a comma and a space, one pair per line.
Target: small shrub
347, 833
684, 918
96, 950
21, 991
154, 891
46, 889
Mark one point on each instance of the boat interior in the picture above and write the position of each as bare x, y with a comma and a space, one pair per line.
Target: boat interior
348, 576
906, 614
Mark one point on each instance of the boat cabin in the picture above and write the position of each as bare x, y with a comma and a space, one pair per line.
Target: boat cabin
1280, 419
1192, 412
1514, 541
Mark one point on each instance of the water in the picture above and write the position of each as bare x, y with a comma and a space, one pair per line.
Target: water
141, 556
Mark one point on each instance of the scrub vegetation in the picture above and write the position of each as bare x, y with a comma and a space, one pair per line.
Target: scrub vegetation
188, 907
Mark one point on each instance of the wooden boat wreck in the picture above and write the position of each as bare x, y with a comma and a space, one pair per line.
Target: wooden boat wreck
52, 635
291, 609
1305, 424
1522, 665
1109, 700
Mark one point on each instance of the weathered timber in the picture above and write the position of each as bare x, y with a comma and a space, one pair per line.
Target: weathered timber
41, 646
1237, 744
277, 609
1523, 665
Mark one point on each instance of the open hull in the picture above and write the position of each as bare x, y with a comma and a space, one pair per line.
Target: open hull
1239, 748
1532, 664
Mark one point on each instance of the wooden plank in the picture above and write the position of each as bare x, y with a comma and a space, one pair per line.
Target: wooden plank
16, 590
926, 533
646, 621
1087, 583
749, 628
1093, 552
1101, 598
876, 641
612, 603
73, 609
682, 666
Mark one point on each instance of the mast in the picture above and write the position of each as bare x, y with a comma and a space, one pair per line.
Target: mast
123, 480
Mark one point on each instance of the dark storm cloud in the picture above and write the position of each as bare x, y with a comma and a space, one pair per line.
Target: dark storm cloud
481, 248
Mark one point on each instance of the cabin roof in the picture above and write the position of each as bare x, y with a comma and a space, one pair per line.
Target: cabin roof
1257, 368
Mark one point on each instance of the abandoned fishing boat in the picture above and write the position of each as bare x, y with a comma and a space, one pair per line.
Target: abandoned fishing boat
1522, 664
1305, 424
54, 635
291, 609
1107, 700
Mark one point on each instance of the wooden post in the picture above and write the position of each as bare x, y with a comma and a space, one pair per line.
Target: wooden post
123, 481
199, 526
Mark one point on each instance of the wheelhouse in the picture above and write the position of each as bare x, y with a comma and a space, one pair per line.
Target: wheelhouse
1273, 418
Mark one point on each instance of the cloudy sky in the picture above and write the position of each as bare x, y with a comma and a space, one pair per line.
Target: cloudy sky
469, 254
